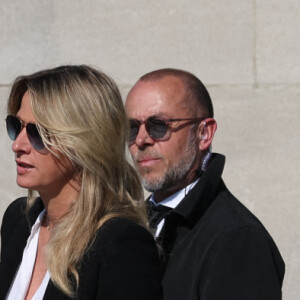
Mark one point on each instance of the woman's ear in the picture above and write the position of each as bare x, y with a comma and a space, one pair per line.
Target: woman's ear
206, 131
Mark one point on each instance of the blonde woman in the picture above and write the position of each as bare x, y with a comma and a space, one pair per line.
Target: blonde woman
84, 234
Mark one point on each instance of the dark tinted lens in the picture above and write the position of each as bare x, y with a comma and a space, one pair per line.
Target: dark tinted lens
156, 128
13, 126
133, 130
34, 137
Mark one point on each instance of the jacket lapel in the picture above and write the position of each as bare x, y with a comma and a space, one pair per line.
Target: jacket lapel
193, 206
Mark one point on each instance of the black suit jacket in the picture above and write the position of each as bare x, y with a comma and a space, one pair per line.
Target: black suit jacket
216, 249
122, 263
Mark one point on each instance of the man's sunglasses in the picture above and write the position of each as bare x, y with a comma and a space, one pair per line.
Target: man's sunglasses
14, 126
159, 129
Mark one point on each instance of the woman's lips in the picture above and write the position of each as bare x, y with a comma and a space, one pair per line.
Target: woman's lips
23, 168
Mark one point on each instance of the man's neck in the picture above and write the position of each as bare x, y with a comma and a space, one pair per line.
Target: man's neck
160, 197
166, 192
162, 194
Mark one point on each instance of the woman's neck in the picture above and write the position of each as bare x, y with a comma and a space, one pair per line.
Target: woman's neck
59, 204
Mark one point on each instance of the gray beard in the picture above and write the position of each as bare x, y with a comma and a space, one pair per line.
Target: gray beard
176, 172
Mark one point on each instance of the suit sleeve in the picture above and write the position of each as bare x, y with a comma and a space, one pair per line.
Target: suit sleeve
247, 265
130, 266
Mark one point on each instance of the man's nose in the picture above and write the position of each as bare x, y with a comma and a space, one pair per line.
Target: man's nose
143, 138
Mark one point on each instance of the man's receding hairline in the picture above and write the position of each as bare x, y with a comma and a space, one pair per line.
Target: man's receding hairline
188, 80
161, 74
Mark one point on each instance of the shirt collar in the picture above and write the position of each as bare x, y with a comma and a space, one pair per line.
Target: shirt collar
173, 200
38, 223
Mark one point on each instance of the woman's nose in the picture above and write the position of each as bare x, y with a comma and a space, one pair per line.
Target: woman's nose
21, 143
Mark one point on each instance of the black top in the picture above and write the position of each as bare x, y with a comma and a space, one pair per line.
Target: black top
216, 249
121, 264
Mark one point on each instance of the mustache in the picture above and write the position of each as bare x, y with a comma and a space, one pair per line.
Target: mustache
140, 155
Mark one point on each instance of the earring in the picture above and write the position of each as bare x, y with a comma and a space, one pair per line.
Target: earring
204, 134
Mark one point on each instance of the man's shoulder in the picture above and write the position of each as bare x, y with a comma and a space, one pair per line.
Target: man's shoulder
226, 213
225, 228
221, 215
228, 224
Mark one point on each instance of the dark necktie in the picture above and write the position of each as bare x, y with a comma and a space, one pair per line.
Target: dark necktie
156, 213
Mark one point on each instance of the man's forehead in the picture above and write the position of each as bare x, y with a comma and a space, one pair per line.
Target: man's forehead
157, 96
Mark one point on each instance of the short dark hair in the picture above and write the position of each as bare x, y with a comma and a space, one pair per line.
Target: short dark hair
194, 87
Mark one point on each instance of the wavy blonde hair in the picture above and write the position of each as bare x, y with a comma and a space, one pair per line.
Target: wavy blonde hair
79, 112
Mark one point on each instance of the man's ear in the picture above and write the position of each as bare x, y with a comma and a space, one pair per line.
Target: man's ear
206, 131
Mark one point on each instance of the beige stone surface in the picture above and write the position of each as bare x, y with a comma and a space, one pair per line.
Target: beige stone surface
128, 38
246, 52
277, 41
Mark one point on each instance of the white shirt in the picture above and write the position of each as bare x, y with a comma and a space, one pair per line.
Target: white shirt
20, 284
172, 201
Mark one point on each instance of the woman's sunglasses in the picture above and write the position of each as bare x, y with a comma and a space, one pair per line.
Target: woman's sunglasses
158, 129
14, 126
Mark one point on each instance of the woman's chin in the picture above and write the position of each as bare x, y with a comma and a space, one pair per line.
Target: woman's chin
25, 184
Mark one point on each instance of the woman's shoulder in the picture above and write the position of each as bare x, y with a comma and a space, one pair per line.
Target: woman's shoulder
123, 235
16, 208
16, 211
14, 215
119, 228
124, 241
125, 259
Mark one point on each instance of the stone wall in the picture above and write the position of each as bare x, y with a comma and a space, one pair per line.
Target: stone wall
246, 52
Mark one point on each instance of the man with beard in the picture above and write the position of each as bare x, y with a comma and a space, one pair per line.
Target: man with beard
213, 247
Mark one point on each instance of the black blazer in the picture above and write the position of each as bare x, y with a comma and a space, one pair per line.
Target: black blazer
216, 249
122, 263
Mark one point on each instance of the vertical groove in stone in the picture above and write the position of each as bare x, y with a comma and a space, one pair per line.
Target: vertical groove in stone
254, 45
